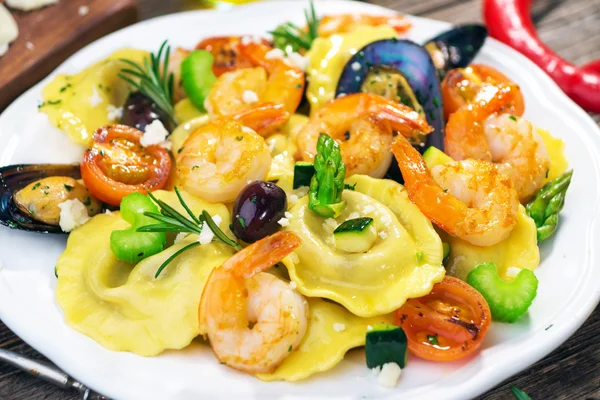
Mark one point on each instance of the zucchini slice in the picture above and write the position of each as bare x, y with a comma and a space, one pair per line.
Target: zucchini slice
434, 156
355, 235
303, 173
386, 344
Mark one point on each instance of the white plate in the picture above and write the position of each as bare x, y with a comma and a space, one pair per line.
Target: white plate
568, 275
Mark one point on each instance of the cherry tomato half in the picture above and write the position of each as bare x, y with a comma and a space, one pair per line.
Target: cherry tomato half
447, 324
117, 165
460, 86
226, 54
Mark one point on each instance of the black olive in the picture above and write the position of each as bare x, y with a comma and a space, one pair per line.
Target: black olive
140, 110
257, 211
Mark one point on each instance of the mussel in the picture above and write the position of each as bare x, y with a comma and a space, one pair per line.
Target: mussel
29, 195
456, 48
401, 70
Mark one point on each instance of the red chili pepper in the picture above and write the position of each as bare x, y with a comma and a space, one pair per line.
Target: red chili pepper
510, 22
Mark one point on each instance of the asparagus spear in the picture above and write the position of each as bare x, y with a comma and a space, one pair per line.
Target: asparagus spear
546, 205
327, 184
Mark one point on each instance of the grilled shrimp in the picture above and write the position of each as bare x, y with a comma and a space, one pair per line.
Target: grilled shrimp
511, 143
238, 294
335, 24
363, 124
219, 158
275, 80
469, 199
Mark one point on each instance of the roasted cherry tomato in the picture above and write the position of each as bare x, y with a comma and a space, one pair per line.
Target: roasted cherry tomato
225, 51
460, 86
117, 165
447, 324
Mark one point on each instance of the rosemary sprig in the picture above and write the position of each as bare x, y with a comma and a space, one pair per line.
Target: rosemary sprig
290, 36
172, 220
153, 79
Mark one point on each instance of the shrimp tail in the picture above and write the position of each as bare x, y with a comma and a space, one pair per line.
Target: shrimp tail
431, 199
264, 118
263, 254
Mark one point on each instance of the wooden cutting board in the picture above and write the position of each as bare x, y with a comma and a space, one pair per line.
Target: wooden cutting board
48, 36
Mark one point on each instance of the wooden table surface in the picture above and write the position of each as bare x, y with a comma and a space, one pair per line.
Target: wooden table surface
571, 372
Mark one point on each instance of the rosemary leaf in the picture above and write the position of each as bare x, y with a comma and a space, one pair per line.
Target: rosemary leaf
219, 234
173, 256
183, 203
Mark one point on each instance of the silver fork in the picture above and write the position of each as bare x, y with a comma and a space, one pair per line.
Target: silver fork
49, 374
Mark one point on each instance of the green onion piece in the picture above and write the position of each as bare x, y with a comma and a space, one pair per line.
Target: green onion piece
508, 301
129, 244
197, 76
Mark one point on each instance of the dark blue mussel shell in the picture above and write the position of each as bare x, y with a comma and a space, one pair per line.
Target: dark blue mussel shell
414, 63
457, 47
15, 177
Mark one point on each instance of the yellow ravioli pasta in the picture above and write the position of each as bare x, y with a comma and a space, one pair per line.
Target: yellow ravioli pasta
323, 347
122, 306
405, 260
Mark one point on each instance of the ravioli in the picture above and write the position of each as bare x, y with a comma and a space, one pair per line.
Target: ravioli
121, 305
404, 262
81, 103
323, 347
328, 56
519, 250
556, 151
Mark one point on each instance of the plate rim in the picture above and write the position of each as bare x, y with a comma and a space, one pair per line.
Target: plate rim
473, 386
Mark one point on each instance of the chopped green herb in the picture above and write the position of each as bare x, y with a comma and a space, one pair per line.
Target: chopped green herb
37, 185
513, 117
87, 201
195, 167
54, 102
62, 89
519, 394
435, 101
299, 86
432, 339
253, 200
55, 273
102, 153
242, 222
420, 257
239, 138
350, 187
290, 348
180, 150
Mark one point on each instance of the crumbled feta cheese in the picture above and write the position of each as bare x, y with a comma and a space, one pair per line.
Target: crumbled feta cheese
386, 219
249, 181
389, 375
323, 78
108, 212
354, 215
293, 198
368, 209
29, 46
180, 236
341, 95
95, 98
329, 225
114, 113
284, 222
207, 105
383, 235
83, 11
355, 66
339, 327
207, 235
299, 60
155, 134
369, 328
73, 214
3, 47
29, 5
249, 97
293, 285
212, 141
294, 258
512, 272
301, 191
375, 371
274, 54
246, 40
288, 215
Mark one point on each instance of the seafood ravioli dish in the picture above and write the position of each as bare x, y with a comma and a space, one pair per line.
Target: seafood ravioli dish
282, 199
